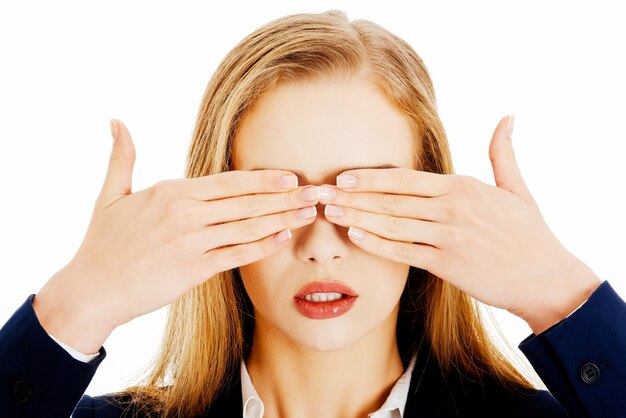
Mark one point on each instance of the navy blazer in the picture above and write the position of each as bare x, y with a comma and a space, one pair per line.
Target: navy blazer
581, 359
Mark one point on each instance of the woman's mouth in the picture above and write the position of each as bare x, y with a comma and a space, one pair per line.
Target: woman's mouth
324, 299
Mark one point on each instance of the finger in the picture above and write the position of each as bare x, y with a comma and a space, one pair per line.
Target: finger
118, 180
390, 227
417, 255
418, 207
506, 172
237, 183
233, 256
251, 229
252, 205
395, 180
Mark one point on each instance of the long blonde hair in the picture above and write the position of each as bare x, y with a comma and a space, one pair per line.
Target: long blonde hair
208, 330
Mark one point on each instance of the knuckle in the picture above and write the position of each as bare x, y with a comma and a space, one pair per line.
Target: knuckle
236, 253
429, 257
404, 179
161, 189
229, 181
457, 210
248, 227
404, 251
249, 204
175, 213
455, 237
394, 225
447, 210
184, 244
467, 184
389, 202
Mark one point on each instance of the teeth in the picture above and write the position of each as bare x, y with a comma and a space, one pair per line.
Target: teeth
322, 297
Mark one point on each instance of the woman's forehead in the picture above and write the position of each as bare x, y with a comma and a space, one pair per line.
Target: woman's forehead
320, 126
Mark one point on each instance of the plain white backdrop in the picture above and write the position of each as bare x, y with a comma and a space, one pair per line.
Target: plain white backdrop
68, 67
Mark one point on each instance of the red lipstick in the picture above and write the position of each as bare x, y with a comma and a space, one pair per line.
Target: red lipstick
328, 309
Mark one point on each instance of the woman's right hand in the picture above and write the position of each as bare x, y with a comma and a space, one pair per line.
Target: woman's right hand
142, 250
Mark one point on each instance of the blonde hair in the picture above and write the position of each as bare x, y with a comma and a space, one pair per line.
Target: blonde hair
208, 330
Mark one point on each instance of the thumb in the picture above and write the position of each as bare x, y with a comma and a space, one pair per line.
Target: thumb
118, 180
505, 170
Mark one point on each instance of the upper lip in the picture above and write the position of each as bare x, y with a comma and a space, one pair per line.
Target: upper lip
325, 286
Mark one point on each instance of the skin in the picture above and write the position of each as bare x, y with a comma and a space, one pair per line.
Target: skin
489, 241
303, 367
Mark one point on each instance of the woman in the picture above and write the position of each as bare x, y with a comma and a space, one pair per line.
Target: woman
275, 310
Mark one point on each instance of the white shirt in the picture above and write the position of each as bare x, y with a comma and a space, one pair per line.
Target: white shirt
253, 405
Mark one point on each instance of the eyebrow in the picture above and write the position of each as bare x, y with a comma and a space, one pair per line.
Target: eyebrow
302, 179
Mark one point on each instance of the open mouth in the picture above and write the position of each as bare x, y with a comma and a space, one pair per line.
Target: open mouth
335, 304
324, 297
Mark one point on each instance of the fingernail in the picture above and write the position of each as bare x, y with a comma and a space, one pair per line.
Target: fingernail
509, 126
307, 212
114, 130
282, 236
346, 181
327, 193
310, 194
356, 233
288, 181
332, 210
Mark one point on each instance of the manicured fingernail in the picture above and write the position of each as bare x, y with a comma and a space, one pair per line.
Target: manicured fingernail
306, 213
288, 181
327, 193
310, 194
346, 181
114, 130
509, 126
332, 210
356, 233
282, 236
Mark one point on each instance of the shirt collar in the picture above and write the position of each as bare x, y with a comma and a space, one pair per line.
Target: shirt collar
253, 405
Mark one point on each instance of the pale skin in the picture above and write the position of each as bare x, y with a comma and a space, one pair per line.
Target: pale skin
490, 241
344, 366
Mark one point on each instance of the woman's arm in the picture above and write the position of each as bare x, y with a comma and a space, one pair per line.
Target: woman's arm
582, 358
39, 378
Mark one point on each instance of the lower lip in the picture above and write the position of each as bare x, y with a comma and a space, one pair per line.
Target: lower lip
324, 310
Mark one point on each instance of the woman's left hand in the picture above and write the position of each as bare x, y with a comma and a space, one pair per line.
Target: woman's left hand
489, 241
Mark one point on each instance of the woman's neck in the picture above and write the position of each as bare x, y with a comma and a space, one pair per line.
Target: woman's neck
295, 381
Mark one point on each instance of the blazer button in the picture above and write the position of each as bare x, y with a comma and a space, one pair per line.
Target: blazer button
590, 373
22, 391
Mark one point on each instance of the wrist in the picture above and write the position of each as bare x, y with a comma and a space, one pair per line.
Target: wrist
70, 318
564, 301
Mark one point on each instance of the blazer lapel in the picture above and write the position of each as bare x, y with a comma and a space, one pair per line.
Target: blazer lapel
429, 394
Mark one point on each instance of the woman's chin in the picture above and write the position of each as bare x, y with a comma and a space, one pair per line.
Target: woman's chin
327, 340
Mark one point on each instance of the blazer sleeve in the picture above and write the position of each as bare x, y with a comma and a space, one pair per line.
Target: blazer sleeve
39, 378
582, 358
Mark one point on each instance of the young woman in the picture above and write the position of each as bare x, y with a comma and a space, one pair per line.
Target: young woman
279, 311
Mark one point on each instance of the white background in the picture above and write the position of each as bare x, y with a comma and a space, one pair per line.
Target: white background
68, 67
